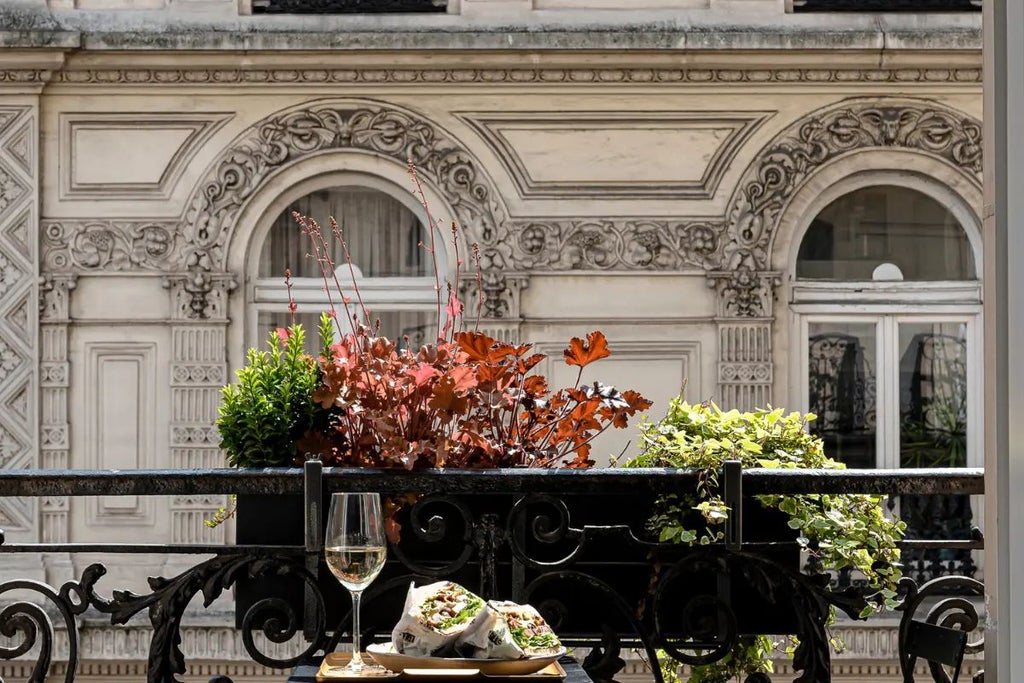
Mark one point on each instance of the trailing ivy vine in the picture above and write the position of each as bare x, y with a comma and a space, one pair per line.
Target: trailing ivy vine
838, 531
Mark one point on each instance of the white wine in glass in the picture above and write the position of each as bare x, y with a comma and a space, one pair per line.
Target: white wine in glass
355, 550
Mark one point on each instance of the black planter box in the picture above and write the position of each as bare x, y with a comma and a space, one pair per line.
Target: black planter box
574, 595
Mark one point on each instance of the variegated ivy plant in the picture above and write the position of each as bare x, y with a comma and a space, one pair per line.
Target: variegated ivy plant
839, 531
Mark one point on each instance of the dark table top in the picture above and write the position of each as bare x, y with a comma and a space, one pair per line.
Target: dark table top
306, 672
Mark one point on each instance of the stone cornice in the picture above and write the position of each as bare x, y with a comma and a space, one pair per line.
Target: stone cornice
28, 70
516, 76
942, 66
695, 30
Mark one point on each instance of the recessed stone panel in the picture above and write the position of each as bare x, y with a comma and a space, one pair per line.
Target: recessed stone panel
607, 154
129, 156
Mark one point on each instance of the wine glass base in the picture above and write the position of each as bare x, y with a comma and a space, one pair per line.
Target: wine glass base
338, 665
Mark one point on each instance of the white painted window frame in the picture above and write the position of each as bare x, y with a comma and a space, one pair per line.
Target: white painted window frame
887, 305
379, 294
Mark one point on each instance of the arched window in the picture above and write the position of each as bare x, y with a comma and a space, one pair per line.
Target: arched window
885, 233
394, 273
888, 304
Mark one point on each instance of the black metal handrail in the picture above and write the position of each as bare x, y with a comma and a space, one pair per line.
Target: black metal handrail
347, 6
887, 5
938, 481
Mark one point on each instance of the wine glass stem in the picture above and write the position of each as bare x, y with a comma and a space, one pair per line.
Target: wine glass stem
357, 660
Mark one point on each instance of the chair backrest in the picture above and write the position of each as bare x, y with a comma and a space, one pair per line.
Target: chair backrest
939, 644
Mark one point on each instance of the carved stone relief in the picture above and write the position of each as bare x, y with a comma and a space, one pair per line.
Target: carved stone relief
744, 279
495, 294
734, 251
642, 244
18, 293
375, 128
514, 77
785, 164
115, 245
199, 295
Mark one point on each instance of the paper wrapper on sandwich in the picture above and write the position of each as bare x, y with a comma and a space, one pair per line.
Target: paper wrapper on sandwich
433, 619
505, 630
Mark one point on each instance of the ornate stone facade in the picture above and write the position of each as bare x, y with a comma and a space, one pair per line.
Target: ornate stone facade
640, 191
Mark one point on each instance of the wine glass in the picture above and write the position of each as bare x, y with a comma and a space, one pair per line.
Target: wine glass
355, 550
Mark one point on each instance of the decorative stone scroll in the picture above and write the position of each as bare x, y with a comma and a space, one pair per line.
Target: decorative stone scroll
200, 295
743, 275
641, 244
111, 246
373, 127
787, 162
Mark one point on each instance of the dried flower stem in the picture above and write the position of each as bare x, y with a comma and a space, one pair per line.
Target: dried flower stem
311, 229
351, 268
479, 285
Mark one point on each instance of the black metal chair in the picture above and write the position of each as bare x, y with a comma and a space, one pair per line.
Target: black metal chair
935, 639
938, 644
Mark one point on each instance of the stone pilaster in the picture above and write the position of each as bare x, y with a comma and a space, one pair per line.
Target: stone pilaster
198, 371
19, 292
54, 376
745, 366
496, 295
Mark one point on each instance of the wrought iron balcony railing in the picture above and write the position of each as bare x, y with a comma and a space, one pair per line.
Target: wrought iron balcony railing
566, 541
347, 6
887, 5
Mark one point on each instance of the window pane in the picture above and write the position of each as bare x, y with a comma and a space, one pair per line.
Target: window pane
419, 326
841, 389
382, 234
933, 394
933, 433
867, 228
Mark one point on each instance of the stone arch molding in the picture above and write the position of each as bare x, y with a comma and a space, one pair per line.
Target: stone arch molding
366, 126
743, 275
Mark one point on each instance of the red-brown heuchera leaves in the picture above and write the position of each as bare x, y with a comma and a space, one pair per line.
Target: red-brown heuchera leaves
469, 402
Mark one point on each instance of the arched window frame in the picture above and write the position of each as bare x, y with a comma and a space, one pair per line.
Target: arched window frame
379, 294
892, 302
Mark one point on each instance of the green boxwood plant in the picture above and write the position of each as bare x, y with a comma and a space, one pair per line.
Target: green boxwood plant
270, 407
839, 531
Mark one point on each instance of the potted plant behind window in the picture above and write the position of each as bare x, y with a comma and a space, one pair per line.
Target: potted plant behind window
834, 532
465, 401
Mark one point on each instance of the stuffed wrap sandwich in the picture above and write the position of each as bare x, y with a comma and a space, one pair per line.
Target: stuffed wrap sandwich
434, 617
505, 630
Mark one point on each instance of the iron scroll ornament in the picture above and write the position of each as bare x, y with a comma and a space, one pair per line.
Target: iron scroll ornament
166, 606
619, 623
